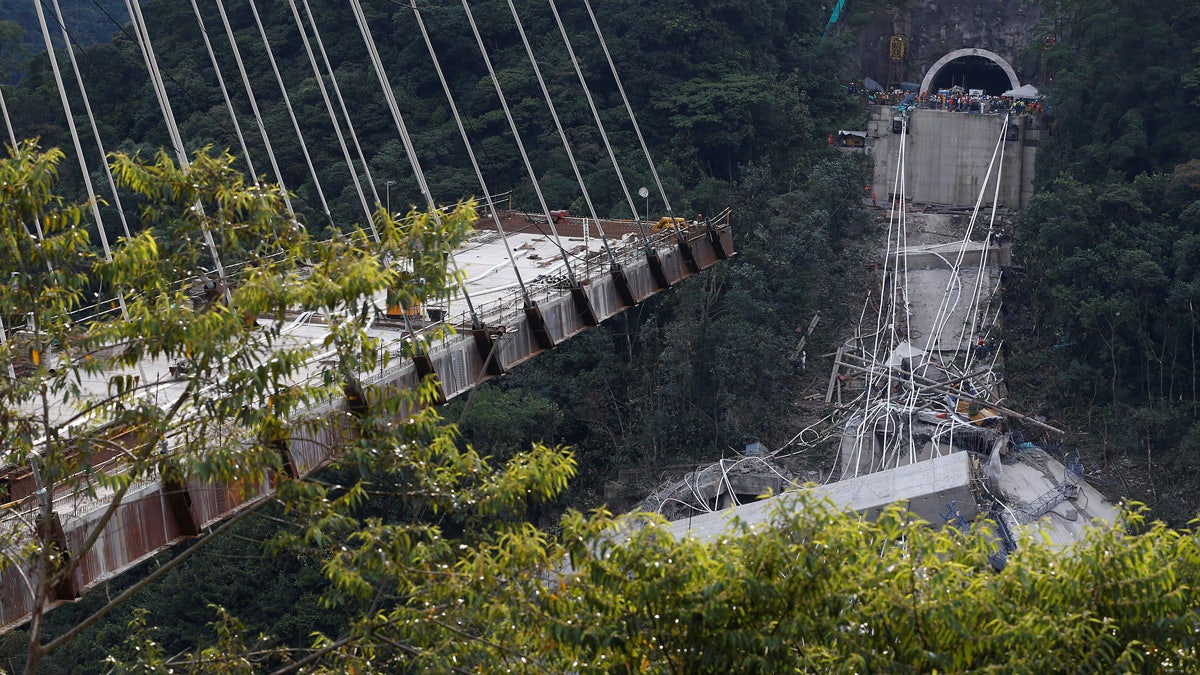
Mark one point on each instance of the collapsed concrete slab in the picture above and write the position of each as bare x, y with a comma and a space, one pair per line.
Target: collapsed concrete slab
925, 488
1049, 501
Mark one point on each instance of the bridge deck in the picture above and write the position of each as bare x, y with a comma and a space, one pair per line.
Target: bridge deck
150, 517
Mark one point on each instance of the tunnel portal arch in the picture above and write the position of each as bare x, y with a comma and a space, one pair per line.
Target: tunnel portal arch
932, 73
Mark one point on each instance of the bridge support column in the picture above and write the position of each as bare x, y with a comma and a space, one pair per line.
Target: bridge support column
583, 306
67, 588
356, 398
537, 326
621, 284
280, 446
425, 368
714, 235
656, 270
685, 249
487, 344
179, 504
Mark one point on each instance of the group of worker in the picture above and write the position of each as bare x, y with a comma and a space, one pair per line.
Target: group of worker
957, 101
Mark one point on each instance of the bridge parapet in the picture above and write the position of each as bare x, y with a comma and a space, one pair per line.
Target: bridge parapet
158, 512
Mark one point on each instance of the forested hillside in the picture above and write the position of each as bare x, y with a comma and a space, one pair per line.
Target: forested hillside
736, 99
1110, 244
88, 21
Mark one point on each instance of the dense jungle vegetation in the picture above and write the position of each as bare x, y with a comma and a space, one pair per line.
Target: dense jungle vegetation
1110, 244
736, 98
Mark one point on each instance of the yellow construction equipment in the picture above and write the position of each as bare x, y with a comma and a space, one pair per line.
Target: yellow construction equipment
667, 223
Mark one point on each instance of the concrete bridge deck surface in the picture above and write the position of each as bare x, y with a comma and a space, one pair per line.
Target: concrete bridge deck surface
154, 516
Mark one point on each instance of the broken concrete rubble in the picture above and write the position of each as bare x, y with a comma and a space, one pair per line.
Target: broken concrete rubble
922, 419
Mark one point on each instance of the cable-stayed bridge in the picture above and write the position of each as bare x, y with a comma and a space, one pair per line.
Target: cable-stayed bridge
529, 280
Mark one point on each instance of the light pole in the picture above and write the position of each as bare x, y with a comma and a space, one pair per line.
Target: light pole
387, 191
645, 194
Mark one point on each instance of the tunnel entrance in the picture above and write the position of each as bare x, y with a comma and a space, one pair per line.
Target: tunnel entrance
972, 72
971, 69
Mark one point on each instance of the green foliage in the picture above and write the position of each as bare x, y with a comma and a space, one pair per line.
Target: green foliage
12, 52
821, 591
84, 365
501, 420
732, 97
1108, 241
1117, 68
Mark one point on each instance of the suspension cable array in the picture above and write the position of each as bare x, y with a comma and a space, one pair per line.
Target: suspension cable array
237, 127
462, 131
262, 130
512, 125
83, 165
337, 127
562, 134
156, 80
633, 118
287, 102
600, 126
337, 92
322, 68
504, 332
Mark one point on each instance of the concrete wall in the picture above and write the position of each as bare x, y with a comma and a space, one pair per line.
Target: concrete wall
936, 28
948, 156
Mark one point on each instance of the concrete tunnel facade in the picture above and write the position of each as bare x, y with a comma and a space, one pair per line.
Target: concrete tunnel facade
931, 75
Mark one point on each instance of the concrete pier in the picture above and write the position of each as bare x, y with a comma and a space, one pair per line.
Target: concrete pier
949, 153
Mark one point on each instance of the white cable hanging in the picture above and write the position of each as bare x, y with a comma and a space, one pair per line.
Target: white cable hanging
142, 35
633, 119
587, 92
890, 414
512, 125
987, 242
237, 127
87, 105
875, 356
462, 131
262, 130
337, 92
562, 134
287, 103
337, 127
901, 300
942, 316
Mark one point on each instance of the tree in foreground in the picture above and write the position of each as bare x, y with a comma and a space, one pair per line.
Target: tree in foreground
210, 285
422, 541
